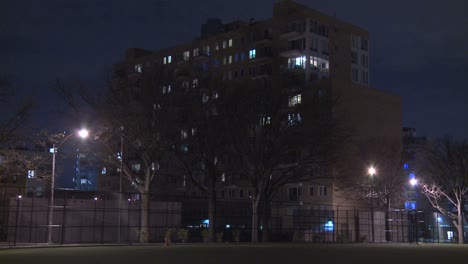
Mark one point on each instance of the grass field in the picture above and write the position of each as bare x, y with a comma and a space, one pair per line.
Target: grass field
241, 254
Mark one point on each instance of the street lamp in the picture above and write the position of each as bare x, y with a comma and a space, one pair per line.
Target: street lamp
413, 182
83, 133
372, 171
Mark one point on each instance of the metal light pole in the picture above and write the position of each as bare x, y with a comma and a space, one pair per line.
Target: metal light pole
120, 186
83, 133
372, 172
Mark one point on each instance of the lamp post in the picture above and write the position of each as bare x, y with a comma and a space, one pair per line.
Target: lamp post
120, 185
83, 133
413, 182
371, 172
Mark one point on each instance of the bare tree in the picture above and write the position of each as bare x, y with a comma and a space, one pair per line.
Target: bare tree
278, 136
443, 165
127, 118
196, 133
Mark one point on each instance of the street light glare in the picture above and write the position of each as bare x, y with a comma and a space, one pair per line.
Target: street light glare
371, 171
413, 182
83, 133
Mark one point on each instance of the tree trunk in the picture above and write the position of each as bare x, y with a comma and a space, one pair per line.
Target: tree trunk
144, 208
460, 224
212, 214
266, 220
254, 219
388, 236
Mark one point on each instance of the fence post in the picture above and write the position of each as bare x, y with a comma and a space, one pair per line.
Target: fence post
64, 218
94, 221
31, 216
103, 210
17, 213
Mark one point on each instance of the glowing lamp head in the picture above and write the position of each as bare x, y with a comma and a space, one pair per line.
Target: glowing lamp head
371, 171
413, 182
83, 133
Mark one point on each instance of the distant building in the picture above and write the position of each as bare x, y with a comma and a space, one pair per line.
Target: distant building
85, 172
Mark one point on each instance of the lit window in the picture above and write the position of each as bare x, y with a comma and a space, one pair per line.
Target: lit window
186, 55
164, 89
266, 120
164, 60
299, 62
136, 167
195, 83
31, 174
169, 88
195, 52
155, 166
169, 59
104, 170
224, 60
215, 95
206, 50
223, 177
294, 118
449, 235
194, 130
183, 134
216, 47
139, 68
185, 84
84, 181
242, 56
295, 100
236, 57
184, 148
328, 226
252, 54
230, 59
230, 42
224, 44
323, 190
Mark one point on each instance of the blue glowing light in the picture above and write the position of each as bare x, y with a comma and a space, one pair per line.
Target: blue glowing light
329, 226
411, 175
206, 222
410, 205
405, 166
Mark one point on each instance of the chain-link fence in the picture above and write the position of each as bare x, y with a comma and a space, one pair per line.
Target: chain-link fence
92, 217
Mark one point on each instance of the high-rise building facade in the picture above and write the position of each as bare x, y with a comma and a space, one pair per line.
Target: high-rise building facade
317, 49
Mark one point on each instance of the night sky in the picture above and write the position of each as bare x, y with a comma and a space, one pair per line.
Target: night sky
419, 48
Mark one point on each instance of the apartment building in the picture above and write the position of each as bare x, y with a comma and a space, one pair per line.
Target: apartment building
302, 44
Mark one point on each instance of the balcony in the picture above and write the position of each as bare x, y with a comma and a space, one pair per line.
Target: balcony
291, 52
292, 34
